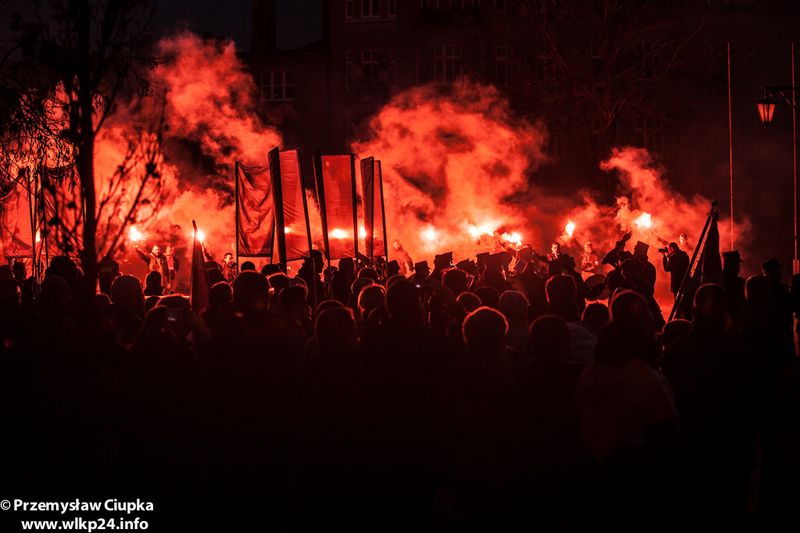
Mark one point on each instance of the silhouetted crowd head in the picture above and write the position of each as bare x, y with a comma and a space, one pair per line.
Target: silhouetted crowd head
484, 395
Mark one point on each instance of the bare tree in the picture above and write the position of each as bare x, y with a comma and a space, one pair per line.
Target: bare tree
602, 67
84, 55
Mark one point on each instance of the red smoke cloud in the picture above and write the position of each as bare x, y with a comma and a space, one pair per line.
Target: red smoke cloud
451, 164
211, 121
456, 166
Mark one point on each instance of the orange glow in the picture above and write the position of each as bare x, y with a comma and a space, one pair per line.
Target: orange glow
201, 236
644, 221
362, 232
38, 236
569, 229
452, 160
430, 235
479, 231
514, 238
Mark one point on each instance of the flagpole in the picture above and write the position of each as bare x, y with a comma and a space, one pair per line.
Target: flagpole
383, 212
31, 211
368, 203
315, 289
730, 146
795, 263
355, 206
236, 208
319, 180
277, 195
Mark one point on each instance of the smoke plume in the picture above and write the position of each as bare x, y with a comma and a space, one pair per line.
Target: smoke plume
452, 162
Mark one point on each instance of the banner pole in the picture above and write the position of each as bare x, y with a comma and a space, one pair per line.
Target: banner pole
236, 206
383, 212
315, 289
319, 180
355, 206
277, 194
31, 211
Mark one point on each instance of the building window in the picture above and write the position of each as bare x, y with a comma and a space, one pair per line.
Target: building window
378, 67
447, 62
370, 9
349, 9
391, 8
373, 68
648, 134
501, 64
277, 86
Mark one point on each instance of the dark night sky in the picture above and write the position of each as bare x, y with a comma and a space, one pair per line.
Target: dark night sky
300, 20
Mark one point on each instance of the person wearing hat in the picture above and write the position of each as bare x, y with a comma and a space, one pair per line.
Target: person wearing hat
421, 272
782, 303
733, 284
676, 262
648, 287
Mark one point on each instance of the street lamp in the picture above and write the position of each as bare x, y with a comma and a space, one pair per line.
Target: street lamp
766, 106
766, 111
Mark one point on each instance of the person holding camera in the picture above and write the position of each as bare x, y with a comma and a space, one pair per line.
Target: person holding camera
676, 262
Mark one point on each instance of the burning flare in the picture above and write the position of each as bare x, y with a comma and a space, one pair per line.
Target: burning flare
569, 229
644, 221
338, 233
452, 159
134, 235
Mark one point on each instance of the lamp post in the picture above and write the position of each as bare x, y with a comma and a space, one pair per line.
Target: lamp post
766, 112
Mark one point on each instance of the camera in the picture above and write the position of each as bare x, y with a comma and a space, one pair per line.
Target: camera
663, 250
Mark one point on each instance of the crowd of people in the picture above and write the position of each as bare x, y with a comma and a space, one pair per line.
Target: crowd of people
490, 393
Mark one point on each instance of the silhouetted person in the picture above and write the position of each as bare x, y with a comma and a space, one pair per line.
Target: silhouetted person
711, 380
421, 273
595, 317
153, 284
469, 301
733, 284
782, 305
629, 425
514, 306
676, 263
562, 301
107, 272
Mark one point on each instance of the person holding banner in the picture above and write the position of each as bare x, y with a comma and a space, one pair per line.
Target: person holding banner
403, 258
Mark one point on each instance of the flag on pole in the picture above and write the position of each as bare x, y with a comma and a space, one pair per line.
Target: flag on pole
291, 212
255, 218
16, 238
199, 292
335, 179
